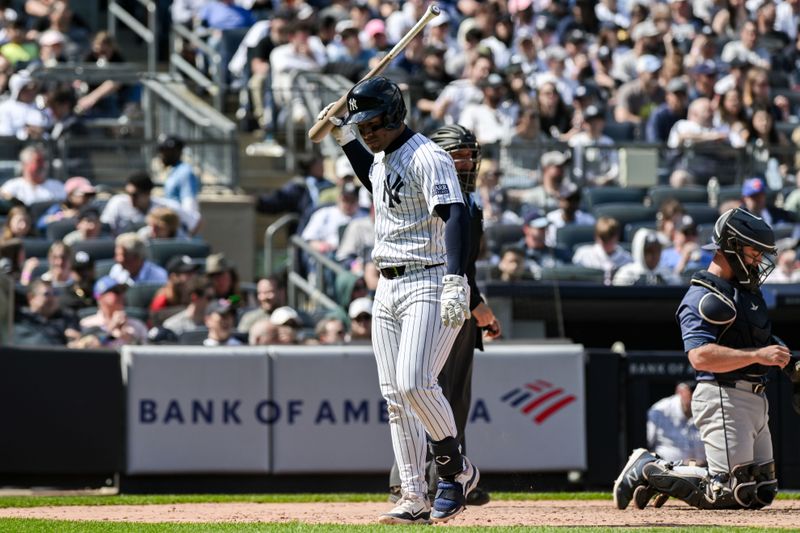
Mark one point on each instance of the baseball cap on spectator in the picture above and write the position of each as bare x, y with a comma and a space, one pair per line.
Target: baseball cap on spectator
546, 23
109, 283
170, 142
576, 36
677, 85
374, 27
753, 186
221, 306
492, 80
724, 85
82, 261
687, 225
523, 34
89, 211
217, 263
568, 189
440, 20
515, 6
79, 185
554, 158
349, 190
285, 316
707, 67
603, 53
555, 53
51, 38
19, 81
646, 28
583, 91
592, 112
343, 168
344, 25
648, 63
181, 264
360, 306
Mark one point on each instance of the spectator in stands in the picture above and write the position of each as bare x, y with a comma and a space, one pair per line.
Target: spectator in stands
127, 211
534, 244
220, 319
18, 49
224, 277
80, 192
513, 266
76, 31
785, 268
330, 330
161, 223
192, 317
757, 94
325, 224
555, 117
130, 256
646, 41
668, 218
492, 197
300, 53
460, 92
101, 100
770, 154
43, 323
302, 194
345, 53
33, 186
704, 78
428, 83
685, 255
59, 266
186, 11
645, 268
51, 49
594, 165
270, 295
545, 197
640, 96
671, 432
111, 326
698, 129
263, 333
745, 49
667, 114
360, 313
754, 198
224, 15
605, 254
729, 116
492, 120
12, 258
355, 246
288, 322
181, 185
79, 294
18, 224
180, 270
568, 212
87, 227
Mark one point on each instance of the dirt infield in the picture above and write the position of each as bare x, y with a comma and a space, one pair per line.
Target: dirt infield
534, 513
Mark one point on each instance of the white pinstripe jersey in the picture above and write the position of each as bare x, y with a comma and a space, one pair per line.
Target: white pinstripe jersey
406, 186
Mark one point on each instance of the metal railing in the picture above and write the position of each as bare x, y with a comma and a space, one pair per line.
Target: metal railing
213, 84
269, 240
211, 138
316, 293
149, 33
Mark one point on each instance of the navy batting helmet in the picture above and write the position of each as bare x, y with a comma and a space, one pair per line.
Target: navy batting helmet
453, 138
736, 229
374, 97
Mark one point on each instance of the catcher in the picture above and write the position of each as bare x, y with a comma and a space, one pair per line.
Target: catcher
728, 338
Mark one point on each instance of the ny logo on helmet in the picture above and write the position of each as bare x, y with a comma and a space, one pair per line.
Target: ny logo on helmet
352, 104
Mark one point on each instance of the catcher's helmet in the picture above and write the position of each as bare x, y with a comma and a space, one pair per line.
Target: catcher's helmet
373, 97
455, 137
736, 229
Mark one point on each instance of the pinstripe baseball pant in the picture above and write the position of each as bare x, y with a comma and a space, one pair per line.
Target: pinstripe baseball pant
411, 346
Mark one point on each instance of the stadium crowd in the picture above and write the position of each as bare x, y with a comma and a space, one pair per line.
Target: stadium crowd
552, 91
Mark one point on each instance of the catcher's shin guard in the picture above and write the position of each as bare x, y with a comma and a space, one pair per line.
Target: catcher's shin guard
696, 490
755, 485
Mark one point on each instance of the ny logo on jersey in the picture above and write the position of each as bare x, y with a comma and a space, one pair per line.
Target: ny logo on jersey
391, 190
352, 104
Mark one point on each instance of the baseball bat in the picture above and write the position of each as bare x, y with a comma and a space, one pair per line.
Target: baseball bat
323, 127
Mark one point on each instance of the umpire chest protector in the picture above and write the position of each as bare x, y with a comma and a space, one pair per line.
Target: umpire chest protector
741, 315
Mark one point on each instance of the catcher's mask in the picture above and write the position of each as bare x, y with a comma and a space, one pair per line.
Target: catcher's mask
455, 138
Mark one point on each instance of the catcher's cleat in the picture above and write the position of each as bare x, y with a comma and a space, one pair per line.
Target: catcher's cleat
631, 477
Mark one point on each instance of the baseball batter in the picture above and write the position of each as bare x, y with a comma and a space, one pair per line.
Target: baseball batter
422, 299
728, 338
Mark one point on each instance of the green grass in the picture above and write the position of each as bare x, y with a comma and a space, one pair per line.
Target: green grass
61, 526
154, 499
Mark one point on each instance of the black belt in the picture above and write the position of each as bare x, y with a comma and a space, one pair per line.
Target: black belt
755, 388
397, 271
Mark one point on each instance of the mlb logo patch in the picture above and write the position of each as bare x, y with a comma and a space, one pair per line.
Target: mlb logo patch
441, 189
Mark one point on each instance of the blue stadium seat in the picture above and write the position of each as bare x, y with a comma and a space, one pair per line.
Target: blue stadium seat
609, 195
626, 213
161, 251
573, 273
571, 236
141, 294
59, 229
35, 247
690, 194
702, 213
499, 235
100, 248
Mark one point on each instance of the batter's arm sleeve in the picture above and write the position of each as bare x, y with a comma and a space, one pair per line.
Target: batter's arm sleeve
456, 235
361, 159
